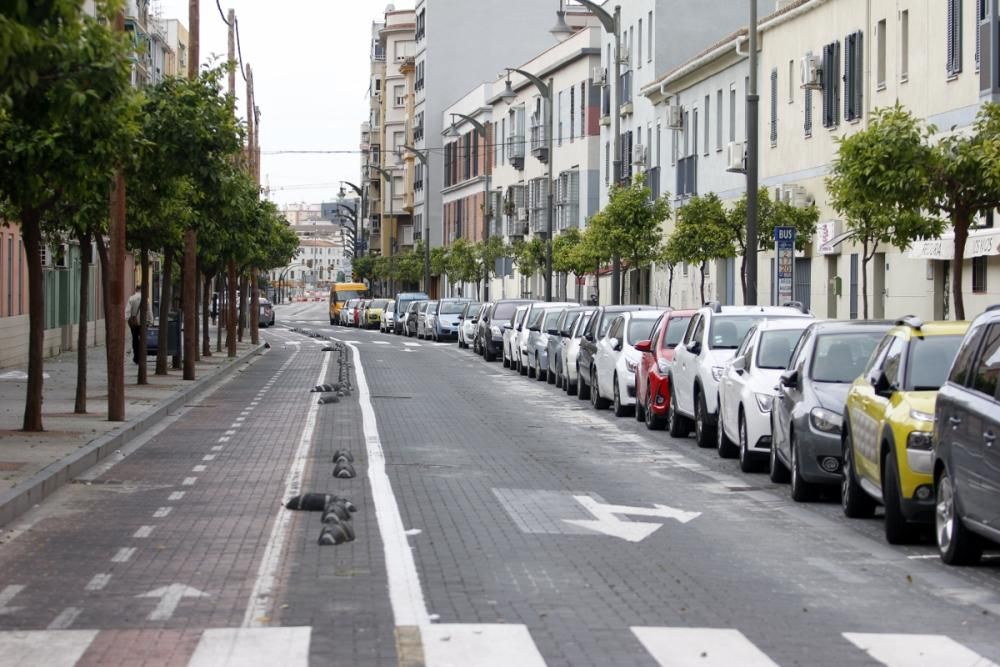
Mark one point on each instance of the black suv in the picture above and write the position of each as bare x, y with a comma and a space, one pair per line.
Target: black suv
966, 450
490, 332
599, 323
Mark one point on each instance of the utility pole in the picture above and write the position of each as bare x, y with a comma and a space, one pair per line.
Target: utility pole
253, 137
116, 302
753, 108
190, 235
231, 277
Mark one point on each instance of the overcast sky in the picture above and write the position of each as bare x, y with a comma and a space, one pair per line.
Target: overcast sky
310, 63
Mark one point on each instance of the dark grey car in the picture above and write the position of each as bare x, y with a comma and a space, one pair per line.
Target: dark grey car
807, 414
410, 321
966, 449
561, 330
491, 324
599, 323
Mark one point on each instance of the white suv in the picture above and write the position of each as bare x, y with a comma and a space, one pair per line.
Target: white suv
712, 338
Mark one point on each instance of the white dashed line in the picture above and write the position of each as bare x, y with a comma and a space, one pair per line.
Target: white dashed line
240, 419
229, 433
176, 495
98, 582
218, 448
143, 532
123, 555
189, 481
65, 618
208, 457
162, 512
198, 468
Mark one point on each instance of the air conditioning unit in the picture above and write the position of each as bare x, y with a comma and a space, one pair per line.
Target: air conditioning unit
522, 213
599, 75
811, 72
735, 157
675, 117
639, 154
623, 56
797, 196
46, 257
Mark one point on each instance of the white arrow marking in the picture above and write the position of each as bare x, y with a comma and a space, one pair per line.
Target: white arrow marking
6, 595
632, 531
170, 596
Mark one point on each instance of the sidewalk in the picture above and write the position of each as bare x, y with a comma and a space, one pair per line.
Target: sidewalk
33, 465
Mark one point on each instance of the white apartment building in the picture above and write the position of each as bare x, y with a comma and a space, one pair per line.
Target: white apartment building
297, 213
371, 141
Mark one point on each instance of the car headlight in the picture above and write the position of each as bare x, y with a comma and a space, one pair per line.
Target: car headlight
717, 372
826, 421
921, 440
764, 402
630, 366
921, 416
663, 365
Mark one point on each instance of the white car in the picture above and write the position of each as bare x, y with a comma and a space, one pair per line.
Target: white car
747, 390
570, 351
469, 324
510, 332
388, 318
617, 359
711, 339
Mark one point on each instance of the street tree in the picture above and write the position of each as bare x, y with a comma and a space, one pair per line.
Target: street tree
700, 235
529, 256
463, 263
65, 117
439, 261
880, 181
364, 268
567, 258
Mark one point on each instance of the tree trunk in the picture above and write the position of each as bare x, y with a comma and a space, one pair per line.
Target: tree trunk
864, 279
166, 303
190, 289
670, 287
80, 402
206, 300
176, 361
143, 364
231, 318
254, 308
960, 223
743, 277
242, 318
36, 320
220, 312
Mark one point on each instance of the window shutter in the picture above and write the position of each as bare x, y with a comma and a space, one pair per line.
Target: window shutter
835, 102
859, 73
950, 60
829, 84
809, 112
774, 107
848, 69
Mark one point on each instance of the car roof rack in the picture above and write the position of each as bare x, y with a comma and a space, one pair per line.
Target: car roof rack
910, 321
714, 305
797, 305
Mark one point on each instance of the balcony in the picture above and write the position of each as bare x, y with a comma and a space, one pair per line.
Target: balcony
539, 143
625, 93
515, 151
517, 227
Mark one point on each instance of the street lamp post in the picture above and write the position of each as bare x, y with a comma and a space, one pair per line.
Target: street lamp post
481, 129
363, 214
424, 157
753, 109
612, 25
352, 215
387, 175
545, 90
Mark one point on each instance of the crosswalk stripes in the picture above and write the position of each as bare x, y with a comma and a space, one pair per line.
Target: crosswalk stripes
706, 647
916, 650
54, 648
249, 647
479, 645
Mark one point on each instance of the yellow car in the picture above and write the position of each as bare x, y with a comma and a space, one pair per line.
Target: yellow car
889, 423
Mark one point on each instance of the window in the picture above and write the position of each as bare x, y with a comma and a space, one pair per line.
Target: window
893, 361
954, 44
854, 76
639, 58
963, 361
673, 148
649, 42
732, 113
607, 162
572, 113
808, 113
982, 14
718, 120
880, 38
583, 109
503, 140
987, 372
774, 107
694, 133
978, 275
708, 125
904, 45
791, 81
399, 95
659, 143
831, 85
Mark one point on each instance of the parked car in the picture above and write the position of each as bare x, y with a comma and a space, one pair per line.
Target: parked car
373, 313
492, 335
887, 437
747, 390
966, 453
469, 324
532, 338
652, 386
347, 312
388, 320
538, 340
571, 351
617, 360
425, 319
401, 307
711, 339
510, 332
266, 317
445, 321
410, 320
600, 320
556, 341
807, 416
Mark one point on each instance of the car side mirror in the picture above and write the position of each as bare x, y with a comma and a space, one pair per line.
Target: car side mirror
882, 386
589, 337
536, 329
461, 317
694, 347
507, 327
643, 346
615, 344
740, 365
553, 332
789, 379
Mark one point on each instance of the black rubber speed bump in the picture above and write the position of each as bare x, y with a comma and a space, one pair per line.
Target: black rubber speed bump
336, 532
329, 398
311, 502
344, 470
343, 455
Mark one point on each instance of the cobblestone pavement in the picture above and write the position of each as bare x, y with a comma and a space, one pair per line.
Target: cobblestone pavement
499, 523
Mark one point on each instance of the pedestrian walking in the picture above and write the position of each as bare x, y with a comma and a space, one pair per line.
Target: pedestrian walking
215, 307
133, 308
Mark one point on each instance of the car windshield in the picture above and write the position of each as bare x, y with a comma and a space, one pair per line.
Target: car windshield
552, 319
676, 326
378, 303
536, 318
727, 333
841, 357
347, 295
452, 307
519, 317
929, 361
639, 330
571, 321
775, 348
582, 325
605, 325
504, 311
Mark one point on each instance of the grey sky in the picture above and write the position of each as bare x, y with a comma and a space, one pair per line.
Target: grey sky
310, 62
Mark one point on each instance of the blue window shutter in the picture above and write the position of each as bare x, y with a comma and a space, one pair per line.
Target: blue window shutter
774, 106
809, 112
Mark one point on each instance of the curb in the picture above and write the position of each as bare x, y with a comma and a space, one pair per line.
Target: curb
38, 487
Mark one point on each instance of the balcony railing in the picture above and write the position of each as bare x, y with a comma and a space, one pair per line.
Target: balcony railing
515, 150
539, 143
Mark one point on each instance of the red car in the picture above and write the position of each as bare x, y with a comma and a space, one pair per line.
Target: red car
652, 383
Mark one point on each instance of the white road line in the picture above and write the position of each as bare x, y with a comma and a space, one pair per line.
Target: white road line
261, 597
217, 448
143, 532
162, 512
208, 457
411, 344
902, 650
65, 618
705, 647
53, 648
199, 468
405, 594
252, 647
176, 495
6, 595
98, 582
381, 342
224, 438
482, 645
240, 419
123, 555
189, 481
228, 433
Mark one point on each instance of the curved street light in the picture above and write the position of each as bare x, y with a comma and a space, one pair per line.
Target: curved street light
561, 31
424, 157
482, 131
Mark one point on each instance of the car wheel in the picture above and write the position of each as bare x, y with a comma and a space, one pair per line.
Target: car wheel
596, 399
653, 422
898, 530
725, 447
802, 491
853, 500
332, 322
676, 424
582, 389
640, 407
538, 369
776, 469
522, 367
748, 459
620, 410
702, 431
956, 543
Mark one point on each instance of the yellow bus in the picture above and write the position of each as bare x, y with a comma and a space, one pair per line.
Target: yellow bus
341, 293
